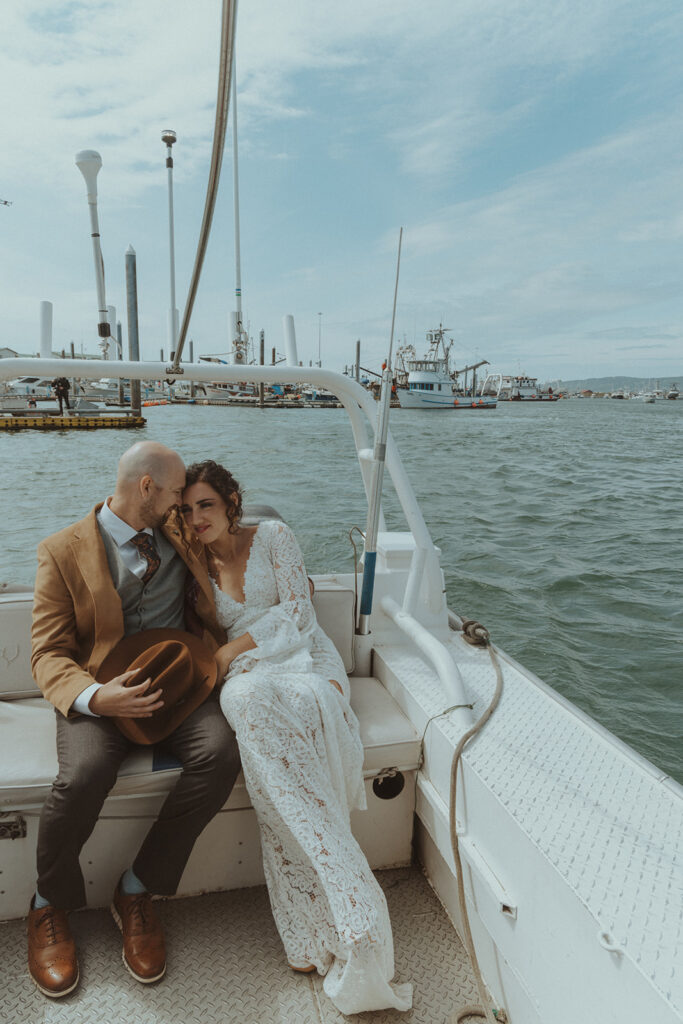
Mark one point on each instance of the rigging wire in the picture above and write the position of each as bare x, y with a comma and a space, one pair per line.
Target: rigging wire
228, 18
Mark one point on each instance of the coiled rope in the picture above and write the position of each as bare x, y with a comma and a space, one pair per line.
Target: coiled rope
477, 635
228, 19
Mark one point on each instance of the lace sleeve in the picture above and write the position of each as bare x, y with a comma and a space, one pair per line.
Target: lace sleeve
287, 626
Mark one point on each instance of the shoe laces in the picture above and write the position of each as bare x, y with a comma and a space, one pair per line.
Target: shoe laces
141, 913
54, 926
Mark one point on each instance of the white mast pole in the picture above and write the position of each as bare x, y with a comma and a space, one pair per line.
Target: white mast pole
239, 355
169, 137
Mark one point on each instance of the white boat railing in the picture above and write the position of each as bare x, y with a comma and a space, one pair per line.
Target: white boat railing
355, 399
436, 653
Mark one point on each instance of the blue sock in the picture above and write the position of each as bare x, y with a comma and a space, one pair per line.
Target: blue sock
39, 902
131, 884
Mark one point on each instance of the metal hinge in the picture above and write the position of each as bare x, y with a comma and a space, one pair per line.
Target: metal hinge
12, 825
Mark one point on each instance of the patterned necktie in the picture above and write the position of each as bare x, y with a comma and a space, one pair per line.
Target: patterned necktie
143, 542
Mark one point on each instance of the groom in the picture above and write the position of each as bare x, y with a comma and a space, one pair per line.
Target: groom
119, 571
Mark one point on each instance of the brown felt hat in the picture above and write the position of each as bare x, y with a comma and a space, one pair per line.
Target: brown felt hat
177, 663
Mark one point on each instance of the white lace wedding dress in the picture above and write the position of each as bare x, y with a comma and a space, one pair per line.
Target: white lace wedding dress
302, 759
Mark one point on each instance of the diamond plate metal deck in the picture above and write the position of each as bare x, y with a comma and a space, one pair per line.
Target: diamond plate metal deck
608, 824
226, 964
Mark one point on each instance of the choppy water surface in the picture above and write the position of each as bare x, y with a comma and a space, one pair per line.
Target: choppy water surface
560, 526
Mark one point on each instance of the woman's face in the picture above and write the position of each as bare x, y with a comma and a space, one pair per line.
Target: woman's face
205, 512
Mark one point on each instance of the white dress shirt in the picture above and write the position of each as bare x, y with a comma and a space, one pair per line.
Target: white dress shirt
121, 533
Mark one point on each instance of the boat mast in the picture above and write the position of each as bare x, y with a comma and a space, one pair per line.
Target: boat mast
239, 348
228, 13
168, 137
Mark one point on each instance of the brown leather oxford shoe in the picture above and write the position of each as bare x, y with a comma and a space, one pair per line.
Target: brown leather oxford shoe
52, 960
144, 950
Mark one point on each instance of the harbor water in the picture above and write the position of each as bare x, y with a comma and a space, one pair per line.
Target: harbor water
559, 525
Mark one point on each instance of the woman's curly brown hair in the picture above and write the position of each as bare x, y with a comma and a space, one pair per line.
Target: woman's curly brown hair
223, 482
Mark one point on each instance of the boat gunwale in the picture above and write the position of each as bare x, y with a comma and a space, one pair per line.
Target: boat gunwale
651, 769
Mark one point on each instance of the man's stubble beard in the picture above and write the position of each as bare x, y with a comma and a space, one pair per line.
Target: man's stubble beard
151, 515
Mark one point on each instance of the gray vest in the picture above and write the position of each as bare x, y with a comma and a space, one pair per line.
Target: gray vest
158, 604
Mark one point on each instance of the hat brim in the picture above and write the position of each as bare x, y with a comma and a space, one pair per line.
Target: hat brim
166, 720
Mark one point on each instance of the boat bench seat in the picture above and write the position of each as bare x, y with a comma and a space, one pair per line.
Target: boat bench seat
28, 757
227, 853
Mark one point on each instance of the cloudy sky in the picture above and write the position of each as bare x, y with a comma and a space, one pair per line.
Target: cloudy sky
531, 149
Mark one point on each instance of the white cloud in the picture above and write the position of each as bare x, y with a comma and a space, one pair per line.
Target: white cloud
569, 244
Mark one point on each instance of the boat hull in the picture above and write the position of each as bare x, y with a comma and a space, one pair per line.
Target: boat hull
429, 400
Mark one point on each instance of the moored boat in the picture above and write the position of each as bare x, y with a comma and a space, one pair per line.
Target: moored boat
431, 385
520, 388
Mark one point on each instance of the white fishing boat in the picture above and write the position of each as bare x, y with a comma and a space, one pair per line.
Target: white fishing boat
519, 388
220, 390
430, 383
32, 385
322, 395
552, 849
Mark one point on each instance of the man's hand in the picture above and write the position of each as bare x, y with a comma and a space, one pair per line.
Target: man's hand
116, 700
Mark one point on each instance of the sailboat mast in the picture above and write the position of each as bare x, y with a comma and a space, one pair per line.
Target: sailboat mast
238, 347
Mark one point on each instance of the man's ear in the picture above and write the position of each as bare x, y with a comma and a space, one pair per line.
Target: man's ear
145, 484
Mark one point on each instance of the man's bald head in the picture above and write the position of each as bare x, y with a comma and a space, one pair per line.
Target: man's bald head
149, 483
148, 458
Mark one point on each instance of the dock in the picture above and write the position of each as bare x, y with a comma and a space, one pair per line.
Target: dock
42, 421
286, 403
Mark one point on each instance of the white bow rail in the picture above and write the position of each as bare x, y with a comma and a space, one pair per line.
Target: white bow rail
355, 399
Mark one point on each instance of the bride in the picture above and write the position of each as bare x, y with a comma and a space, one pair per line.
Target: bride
286, 695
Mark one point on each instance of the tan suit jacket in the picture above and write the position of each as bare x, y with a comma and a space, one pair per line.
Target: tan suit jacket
77, 614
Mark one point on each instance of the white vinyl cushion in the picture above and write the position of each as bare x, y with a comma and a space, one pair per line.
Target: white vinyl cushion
28, 758
333, 605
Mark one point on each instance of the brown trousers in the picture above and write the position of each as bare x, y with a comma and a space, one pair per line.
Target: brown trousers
90, 752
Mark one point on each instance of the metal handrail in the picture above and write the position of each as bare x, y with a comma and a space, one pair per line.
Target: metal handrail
436, 652
353, 397
351, 394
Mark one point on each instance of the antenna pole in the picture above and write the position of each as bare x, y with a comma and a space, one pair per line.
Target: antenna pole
379, 457
239, 349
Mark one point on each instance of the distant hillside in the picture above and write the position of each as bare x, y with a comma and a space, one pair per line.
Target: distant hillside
616, 383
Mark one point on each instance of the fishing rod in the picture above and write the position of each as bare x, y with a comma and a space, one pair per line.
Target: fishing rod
379, 458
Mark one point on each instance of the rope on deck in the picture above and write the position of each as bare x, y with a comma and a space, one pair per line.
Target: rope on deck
476, 634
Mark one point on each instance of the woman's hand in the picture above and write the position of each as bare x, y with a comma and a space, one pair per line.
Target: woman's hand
226, 654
